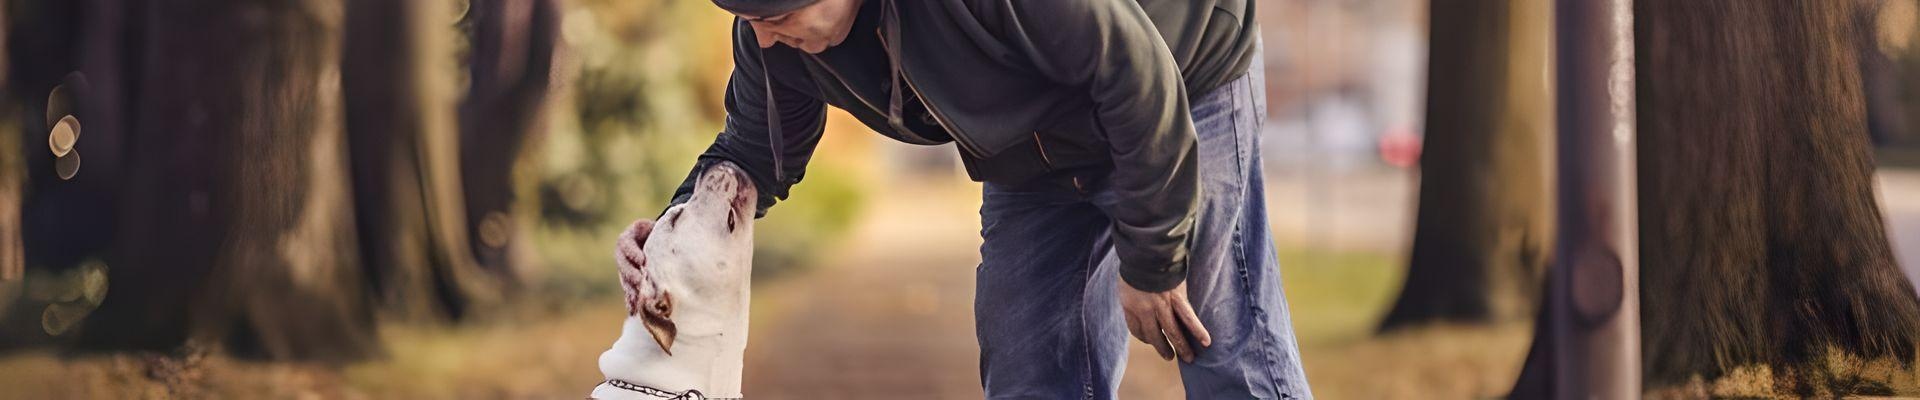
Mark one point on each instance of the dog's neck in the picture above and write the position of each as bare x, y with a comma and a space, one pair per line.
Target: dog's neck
710, 362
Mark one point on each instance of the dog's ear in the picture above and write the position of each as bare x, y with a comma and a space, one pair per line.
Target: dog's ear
658, 318
657, 313
628, 252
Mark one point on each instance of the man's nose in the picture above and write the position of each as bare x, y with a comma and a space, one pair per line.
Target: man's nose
763, 35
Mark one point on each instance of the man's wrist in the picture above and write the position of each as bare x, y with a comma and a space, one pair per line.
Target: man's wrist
1155, 281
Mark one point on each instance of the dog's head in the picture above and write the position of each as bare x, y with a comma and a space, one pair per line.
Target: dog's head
684, 273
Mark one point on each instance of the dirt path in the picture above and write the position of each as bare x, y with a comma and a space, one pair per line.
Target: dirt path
891, 317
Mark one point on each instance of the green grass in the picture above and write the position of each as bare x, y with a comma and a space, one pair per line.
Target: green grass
1338, 296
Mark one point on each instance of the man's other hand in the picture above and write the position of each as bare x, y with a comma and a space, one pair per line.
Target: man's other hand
1157, 318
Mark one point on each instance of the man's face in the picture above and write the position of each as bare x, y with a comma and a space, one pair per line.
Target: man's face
812, 29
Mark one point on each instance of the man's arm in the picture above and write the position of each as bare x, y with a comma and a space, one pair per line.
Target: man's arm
745, 140
1112, 49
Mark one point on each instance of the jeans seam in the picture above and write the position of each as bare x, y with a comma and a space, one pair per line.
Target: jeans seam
1271, 365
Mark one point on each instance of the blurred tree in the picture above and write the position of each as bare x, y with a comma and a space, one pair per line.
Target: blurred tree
51, 60
236, 222
1761, 240
1880, 69
402, 137
12, 173
67, 214
1484, 229
510, 73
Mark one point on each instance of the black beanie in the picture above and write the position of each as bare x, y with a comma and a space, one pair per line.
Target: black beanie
761, 8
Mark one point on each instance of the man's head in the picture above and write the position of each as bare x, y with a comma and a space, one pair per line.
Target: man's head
809, 25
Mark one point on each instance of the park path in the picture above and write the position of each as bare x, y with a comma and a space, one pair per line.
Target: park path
890, 314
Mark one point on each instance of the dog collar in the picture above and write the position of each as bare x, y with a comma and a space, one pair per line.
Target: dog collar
690, 394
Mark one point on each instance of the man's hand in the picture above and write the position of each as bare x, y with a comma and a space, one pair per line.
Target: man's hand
1157, 318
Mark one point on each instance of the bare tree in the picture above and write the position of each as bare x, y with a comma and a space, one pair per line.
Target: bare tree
1761, 240
236, 222
1484, 229
510, 72
12, 177
404, 145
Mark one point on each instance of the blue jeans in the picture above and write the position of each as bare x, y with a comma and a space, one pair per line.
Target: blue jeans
1049, 322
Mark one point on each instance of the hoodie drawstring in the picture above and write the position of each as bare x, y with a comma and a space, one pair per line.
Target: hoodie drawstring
775, 138
891, 40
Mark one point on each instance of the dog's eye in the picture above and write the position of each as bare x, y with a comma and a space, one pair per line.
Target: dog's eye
732, 215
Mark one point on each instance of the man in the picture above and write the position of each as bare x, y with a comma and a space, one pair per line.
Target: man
1117, 141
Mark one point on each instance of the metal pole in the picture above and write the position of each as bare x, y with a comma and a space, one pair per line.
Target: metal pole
1594, 294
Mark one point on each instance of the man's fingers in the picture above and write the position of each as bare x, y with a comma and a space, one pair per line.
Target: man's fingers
1174, 336
1134, 328
1159, 341
1192, 321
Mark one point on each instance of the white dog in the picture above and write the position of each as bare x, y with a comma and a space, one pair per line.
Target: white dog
686, 279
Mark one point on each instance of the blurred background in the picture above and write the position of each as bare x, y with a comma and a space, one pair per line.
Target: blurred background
418, 199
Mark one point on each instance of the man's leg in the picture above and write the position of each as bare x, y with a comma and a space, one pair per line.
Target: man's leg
1233, 278
1048, 328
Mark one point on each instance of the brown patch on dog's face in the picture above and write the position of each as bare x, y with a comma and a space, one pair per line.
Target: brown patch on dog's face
658, 317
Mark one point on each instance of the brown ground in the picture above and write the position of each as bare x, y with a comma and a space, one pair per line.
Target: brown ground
889, 316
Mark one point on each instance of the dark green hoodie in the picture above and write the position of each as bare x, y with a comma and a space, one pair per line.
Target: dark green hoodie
1084, 95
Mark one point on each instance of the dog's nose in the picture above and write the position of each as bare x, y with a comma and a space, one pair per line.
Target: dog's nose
741, 181
740, 178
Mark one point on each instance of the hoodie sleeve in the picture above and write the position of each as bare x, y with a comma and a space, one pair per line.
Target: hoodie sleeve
745, 140
1112, 49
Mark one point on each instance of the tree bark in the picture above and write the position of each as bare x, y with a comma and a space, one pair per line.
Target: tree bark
1485, 224
1762, 242
402, 137
511, 69
237, 223
63, 47
13, 262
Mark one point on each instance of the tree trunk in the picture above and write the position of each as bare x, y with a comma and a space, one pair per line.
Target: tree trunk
13, 173
57, 49
401, 133
1485, 221
236, 222
1762, 242
510, 69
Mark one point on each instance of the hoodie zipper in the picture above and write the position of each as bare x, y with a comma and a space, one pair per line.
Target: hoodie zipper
1044, 159
959, 137
1042, 146
863, 100
897, 65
